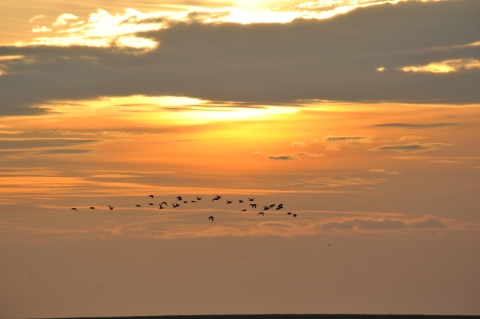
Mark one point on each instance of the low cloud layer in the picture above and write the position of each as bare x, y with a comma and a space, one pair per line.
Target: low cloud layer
412, 148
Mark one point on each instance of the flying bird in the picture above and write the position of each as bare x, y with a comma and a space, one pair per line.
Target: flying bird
75, 209
294, 215
251, 199
229, 201
266, 207
91, 207
240, 200
111, 207
261, 213
198, 198
137, 205
151, 204
164, 203
289, 213
185, 201
151, 196
160, 206
210, 218
175, 205
216, 198
272, 205
244, 210
253, 205
193, 201
179, 197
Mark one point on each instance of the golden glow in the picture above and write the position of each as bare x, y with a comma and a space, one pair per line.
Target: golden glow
104, 29
447, 66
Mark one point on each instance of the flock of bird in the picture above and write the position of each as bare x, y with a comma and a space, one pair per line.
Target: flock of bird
181, 201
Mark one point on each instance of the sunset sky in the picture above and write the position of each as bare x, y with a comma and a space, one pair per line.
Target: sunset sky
362, 117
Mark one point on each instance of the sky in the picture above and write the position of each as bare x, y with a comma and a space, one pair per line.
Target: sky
360, 117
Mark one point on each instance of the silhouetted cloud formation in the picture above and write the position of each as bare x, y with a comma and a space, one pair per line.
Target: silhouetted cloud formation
331, 59
412, 148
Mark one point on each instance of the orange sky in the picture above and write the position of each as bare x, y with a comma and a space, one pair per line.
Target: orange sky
372, 143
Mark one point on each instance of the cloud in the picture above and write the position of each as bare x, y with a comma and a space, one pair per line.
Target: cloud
412, 148
292, 157
382, 171
41, 16
257, 62
410, 138
304, 143
447, 66
366, 224
410, 126
38, 29
347, 139
63, 19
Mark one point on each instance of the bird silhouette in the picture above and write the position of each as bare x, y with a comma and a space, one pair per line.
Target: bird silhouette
179, 197
193, 201
91, 207
216, 198
185, 201
137, 205
75, 209
111, 207
279, 207
198, 198
164, 203
175, 205
151, 204
160, 206
266, 207
229, 201
261, 213
151, 196
253, 205
272, 205
294, 215
244, 210
240, 200
251, 199
289, 213
210, 218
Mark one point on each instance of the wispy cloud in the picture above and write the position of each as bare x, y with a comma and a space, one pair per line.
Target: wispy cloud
382, 171
412, 126
447, 66
292, 157
305, 143
63, 19
412, 148
40, 16
368, 224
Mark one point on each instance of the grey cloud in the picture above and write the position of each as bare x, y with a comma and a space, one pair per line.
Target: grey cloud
416, 126
15, 144
346, 139
331, 59
282, 157
384, 224
411, 148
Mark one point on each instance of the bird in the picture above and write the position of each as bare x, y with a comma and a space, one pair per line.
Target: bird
328, 245
164, 203
111, 207
216, 198
161, 207
294, 215
229, 201
175, 205
151, 204
272, 205
210, 218
137, 205
179, 197
253, 205
240, 200
185, 201
198, 198
75, 209
266, 207
91, 207
289, 213
193, 201
151, 196
261, 213
251, 199
244, 210
279, 207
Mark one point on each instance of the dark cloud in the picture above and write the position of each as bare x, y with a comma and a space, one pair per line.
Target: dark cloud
411, 148
416, 126
346, 139
282, 157
331, 59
